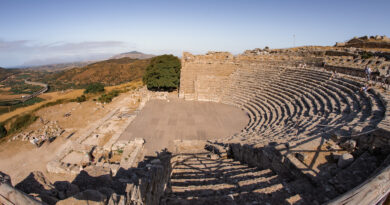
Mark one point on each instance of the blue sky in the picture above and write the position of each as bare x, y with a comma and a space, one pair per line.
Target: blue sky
50, 31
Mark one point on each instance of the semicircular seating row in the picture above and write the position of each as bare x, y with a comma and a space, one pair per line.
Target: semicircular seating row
287, 103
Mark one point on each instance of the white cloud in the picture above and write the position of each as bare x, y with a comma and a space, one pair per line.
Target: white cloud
25, 52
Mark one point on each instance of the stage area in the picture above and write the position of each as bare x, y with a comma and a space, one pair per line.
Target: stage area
161, 122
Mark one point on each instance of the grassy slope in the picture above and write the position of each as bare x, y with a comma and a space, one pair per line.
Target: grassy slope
109, 72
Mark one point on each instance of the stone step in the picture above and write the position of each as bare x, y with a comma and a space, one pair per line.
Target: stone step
205, 178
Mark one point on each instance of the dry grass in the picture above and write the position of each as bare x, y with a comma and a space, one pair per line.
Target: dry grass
56, 96
129, 85
108, 72
69, 94
4, 89
376, 49
313, 47
8, 96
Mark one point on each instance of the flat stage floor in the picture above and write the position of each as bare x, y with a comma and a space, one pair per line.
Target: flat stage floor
160, 122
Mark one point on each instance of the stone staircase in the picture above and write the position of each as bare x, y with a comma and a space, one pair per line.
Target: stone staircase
201, 177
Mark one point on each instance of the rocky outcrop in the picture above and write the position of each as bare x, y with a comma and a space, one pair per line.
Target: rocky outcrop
49, 132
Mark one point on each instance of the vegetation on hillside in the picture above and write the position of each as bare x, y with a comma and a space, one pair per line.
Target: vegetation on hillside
107, 98
15, 83
5, 73
18, 122
81, 98
10, 108
23, 88
163, 73
366, 55
94, 88
108, 72
21, 122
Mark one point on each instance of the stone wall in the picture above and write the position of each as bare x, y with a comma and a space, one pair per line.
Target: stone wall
202, 77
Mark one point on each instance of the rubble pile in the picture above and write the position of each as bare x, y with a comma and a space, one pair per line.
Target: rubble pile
96, 185
49, 132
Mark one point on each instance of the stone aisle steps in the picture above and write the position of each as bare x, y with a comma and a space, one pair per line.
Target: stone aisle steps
205, 178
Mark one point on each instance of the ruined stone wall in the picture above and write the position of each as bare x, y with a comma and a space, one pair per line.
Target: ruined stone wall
202, 77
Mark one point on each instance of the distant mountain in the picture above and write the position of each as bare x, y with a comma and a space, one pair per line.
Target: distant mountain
59, 66
134, 55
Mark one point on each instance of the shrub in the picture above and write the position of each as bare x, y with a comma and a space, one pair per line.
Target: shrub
94, 88
81, 98
366, 55
106, 98
163, 73
3, 131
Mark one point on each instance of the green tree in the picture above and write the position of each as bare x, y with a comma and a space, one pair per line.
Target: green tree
163, 73
81, 98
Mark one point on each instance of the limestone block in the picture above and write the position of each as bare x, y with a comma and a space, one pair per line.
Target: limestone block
10, 195
116, 199
345, 160
5, 179
349, 145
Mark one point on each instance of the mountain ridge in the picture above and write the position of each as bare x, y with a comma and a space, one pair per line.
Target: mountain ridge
133, 55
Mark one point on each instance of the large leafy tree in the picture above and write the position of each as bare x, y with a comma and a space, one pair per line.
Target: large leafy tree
163, 73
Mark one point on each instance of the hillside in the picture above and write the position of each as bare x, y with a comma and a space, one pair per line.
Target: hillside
59, 66
5, 73
134, 55
376, 42
109, 72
